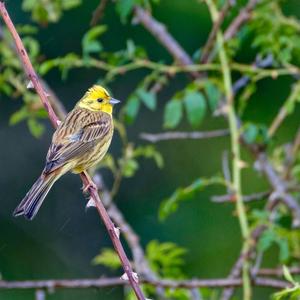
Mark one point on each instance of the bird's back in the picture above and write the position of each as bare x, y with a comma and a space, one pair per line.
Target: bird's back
81, 140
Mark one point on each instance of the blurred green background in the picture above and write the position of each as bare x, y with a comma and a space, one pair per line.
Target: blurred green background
64, 237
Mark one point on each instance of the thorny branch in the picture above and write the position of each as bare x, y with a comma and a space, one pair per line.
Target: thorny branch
84, 176
132, 239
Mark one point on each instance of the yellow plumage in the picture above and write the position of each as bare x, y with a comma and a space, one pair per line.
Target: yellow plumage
78, 143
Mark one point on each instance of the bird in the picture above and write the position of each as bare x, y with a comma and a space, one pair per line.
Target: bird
78, 143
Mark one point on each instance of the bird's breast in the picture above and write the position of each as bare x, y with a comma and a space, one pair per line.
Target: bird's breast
95, 155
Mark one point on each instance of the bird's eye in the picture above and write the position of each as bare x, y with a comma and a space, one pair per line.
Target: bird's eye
100, 100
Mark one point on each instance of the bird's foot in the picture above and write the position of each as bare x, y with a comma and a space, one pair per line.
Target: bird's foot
88, 187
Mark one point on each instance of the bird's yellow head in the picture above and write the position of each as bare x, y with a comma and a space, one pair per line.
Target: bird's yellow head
97, 99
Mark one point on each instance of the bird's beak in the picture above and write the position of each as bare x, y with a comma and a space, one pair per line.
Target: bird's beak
114, 101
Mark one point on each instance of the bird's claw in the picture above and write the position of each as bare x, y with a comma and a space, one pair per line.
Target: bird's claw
90, 186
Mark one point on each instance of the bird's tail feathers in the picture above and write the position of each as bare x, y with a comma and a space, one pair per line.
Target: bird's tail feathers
33, 200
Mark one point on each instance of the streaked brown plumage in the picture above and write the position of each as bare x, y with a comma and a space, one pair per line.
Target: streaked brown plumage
78, 143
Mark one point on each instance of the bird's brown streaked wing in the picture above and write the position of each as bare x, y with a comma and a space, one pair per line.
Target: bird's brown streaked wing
77, 143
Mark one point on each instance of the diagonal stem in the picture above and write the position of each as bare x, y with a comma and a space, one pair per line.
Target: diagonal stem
235, 146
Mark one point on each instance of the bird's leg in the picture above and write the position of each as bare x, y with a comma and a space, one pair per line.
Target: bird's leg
88, 183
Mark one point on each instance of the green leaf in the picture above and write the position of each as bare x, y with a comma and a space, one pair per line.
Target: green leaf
149, 152
195, 106
129, 167
267, 239
124, 8
63, 63
107, 162
69, 4
213, 95
92, 47
89, 42
47, 65
148, 98
108, 258
131, 109
292, 293
44, 11
274, 236
35, 128
6, 88
19, 116
284, 252
172, 113
287, 275
165, 259
41, 113
27, 29
250, 133
170, 205
32, 46
255, 133
131, 48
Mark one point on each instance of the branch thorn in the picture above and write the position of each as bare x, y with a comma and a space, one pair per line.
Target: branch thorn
29, 85
134, 276
117, 231
91, 203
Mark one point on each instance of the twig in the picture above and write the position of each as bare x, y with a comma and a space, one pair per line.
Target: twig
292, 155
138, 63
177, 135
257, 264
112, 233
284, 110
212, 35
140, 262
226, 170
84, 176
246, 198
278, 272
162, 35
98, 12
243, 16
233, 28
108, 282
195, 294
238, 266
279, 187
296, 144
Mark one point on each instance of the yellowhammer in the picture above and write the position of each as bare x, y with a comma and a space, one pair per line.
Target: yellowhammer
78, 143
